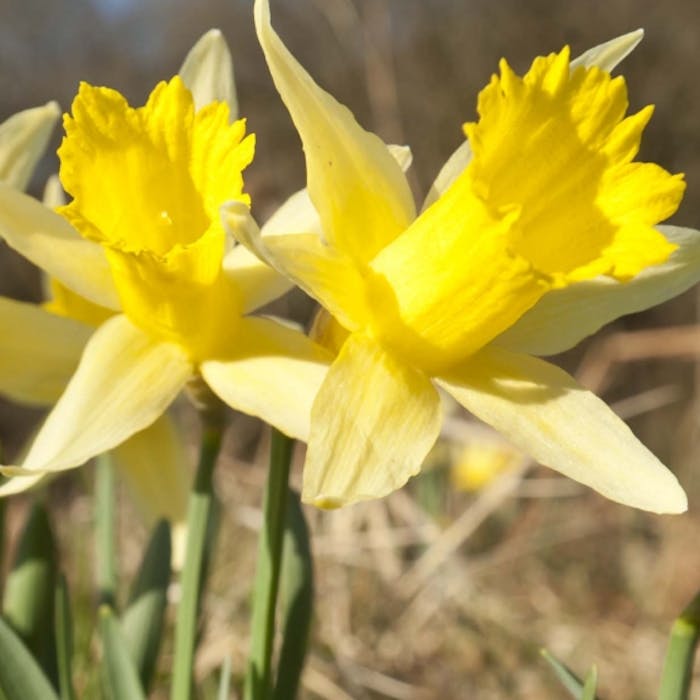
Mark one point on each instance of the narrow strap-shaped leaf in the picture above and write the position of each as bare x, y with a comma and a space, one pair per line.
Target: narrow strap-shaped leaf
29, 592
678, 665
267, 574
21, 677
64, 640
296, 600
581, 690
589, 687
119, 676
142, 621
104, 530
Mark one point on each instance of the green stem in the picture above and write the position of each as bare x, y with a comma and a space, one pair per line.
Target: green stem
198, 516
678, 665
104, 531
267, 575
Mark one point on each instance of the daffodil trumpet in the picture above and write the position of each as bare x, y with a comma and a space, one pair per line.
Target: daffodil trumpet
540, 217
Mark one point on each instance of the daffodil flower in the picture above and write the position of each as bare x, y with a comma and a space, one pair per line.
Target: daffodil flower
143, 241
545, 209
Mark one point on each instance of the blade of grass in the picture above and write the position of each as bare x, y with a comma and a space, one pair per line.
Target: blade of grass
296, 602
198, 525
64, 640
565, 675
589, 687
267, 574
225, 679
678, 664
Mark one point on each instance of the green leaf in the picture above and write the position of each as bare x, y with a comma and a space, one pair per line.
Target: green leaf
296, 601
575, 686
143, 620
21, 677
589, 687
64, 640
28, 601
678, 665
119, 676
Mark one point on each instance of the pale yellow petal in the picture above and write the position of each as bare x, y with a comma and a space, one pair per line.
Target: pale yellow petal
51, 243
564, 317
154, 465
20, 484
296, 215
372, 424
257, 282
208, 72
545, 413
274, 374
454, 166
323, 272
23, 140
39, 352
123, 383
607, 55
362, 196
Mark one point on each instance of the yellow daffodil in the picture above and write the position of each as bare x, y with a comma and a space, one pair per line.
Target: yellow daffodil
544, 209
142, 245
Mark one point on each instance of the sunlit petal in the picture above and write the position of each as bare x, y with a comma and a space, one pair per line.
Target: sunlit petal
607, 55
564, 317
20, 484
39, 352
321, 271
274, 374
208, 72
123, 383
373, 422
23, 140
362, 196
544, 412
450, 171
51, 243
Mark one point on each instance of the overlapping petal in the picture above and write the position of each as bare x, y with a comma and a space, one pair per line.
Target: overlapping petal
372, 423
23, 140
51, 243
564, 317
39, 352
544, 412
361, 195
273, 372
123, 383
207, 71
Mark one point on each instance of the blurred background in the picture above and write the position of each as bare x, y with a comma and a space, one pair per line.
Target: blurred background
449, 588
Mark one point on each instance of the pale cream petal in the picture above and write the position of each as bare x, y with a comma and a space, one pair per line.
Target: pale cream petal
54, 195
450, 171
23, 140
296, 215
321, 271
258, 283
545, 413
362, 196
124, 382
564, 317
606, 56
275, 375
372, 424
154, 465
39, 352
208, 72
51, 243
20, 484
